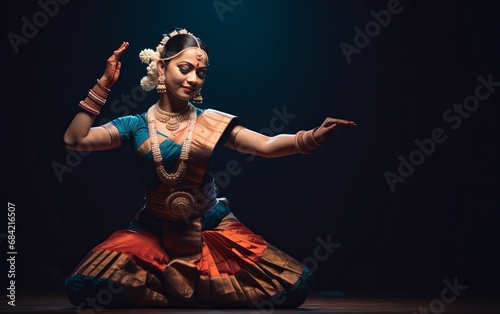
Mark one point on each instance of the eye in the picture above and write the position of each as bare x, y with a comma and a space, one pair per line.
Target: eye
202, 73
184, 68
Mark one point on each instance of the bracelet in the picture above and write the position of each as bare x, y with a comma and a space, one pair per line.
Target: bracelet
102, 87
300, 143
98, 99
313, 139
92, 107
94, 101
310, 141
305, 141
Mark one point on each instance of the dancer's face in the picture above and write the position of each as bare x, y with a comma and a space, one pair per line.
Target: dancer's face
185, 74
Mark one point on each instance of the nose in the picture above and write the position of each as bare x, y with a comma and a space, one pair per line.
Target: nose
192, 78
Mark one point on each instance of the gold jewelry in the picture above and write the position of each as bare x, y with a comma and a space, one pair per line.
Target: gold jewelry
200, 53
305, 142
298, 142
313, 139
90, 106
197, 99
172, 119
171, 179
102, 87
161, 87
95, 100
181, 204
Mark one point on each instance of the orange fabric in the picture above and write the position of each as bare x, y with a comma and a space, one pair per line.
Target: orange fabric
224, 252
144, 247
208, 131
228, 251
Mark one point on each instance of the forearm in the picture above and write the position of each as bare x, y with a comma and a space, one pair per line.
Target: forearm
80, 135
279, 146
250, 142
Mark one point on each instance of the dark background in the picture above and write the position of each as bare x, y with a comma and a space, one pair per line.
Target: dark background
440, 223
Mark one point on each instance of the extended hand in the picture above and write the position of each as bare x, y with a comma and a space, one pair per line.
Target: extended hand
113, 66
329, 126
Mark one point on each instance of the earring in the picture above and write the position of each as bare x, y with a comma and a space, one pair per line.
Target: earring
197, 99
161, 88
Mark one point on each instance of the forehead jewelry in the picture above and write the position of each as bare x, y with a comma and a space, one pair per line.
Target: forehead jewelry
199, 52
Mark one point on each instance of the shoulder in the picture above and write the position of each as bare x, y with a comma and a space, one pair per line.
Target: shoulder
136, 118
216, 114
130, 121
221, 121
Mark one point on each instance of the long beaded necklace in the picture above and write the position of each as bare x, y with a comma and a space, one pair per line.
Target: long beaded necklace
171, 179
171, 119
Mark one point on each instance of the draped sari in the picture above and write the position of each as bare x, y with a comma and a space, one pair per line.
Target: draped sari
205, 258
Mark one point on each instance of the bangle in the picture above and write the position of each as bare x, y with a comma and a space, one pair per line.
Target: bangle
94, 102
305, 141
92, 107
311, 142
313, 139
300, 143
98, 99
102, 87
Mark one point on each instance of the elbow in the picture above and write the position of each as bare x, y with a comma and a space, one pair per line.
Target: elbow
69, 142
270, 155
264, 147
276, 146
70, 146
267, 148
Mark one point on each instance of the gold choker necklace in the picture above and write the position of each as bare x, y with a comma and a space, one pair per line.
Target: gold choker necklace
171, 119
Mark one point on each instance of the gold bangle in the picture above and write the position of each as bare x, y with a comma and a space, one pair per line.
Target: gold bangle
313, 138
310, 141
92, 108
299, 142
98, 99
102, 87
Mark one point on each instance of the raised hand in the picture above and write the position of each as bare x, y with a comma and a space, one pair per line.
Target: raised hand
113, 66
329, 126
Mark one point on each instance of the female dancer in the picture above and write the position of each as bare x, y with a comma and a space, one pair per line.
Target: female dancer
184, 248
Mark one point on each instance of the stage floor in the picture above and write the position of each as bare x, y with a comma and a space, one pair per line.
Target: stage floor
57, 303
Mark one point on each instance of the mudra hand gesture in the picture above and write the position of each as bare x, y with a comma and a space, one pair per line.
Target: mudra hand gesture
328, 127
113, 66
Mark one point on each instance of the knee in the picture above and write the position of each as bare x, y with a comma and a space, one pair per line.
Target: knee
89, 292
77, 289
296, 295
287, 299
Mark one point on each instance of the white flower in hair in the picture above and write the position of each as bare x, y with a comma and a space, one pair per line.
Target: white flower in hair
152, 70
147, 84
150, 81
148, 55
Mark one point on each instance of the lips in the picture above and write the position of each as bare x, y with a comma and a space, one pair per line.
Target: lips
188, 89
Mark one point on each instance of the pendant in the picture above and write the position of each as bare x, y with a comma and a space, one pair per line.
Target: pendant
173, 124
